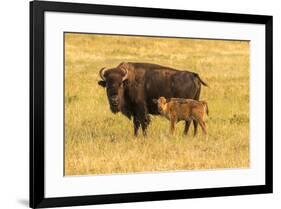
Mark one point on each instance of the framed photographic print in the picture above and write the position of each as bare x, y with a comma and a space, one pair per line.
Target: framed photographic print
133, 104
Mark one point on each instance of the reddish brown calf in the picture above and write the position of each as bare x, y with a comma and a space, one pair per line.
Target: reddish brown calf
178, 109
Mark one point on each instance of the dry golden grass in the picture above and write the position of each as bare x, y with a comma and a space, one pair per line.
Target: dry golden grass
99, 142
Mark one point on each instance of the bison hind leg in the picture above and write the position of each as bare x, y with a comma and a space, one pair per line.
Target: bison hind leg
195, 123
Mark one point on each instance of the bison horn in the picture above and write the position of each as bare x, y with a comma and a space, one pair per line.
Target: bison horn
102, 73
126, 74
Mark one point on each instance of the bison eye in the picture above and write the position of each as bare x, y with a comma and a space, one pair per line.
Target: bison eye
102, 83
125, 83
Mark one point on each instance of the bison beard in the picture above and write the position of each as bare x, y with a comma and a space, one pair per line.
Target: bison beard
131, 88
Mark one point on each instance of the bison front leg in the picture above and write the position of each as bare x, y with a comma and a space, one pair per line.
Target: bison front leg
144, 124
141, 117
136, 125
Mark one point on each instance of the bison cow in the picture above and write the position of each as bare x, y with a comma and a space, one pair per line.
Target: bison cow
131, 88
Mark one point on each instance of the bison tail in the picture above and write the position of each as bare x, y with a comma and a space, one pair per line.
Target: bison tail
201, 81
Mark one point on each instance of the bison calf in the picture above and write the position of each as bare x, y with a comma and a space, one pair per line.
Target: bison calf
177, 109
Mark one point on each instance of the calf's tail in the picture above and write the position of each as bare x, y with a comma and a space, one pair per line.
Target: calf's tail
206, 107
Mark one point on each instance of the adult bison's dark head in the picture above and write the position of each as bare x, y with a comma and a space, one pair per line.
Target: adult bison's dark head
114, 80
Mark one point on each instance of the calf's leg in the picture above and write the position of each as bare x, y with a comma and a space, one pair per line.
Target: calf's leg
203, 126
195, 123
173, 122
186, 127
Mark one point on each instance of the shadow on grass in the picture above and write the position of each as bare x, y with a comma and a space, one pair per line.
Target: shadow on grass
23, 202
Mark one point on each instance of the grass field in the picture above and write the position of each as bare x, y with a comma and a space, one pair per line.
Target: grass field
99, 142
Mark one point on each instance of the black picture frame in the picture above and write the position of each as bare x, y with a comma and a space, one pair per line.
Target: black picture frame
37, 101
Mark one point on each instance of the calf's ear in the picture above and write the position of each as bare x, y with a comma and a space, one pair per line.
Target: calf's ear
154, 101
102, 83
